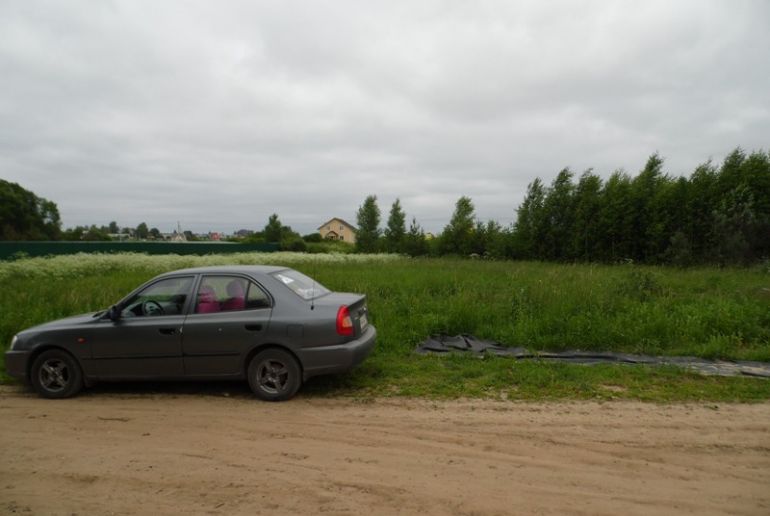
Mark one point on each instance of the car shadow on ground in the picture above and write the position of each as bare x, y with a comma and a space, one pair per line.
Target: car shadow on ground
314, 387
344, 384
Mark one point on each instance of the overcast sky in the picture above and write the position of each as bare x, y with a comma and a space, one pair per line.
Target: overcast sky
216, 114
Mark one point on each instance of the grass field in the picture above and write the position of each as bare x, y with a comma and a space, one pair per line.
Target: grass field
703, 312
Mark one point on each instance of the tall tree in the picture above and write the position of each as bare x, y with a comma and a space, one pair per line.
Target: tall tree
529, 214
25, 216
457, 237
616, 219
735, 222
558, 217
368, 219
648, 237
701, 204
755, 176
273, 229
113, 227
396, 229
586, 232
142, 231
730, 173
414, 241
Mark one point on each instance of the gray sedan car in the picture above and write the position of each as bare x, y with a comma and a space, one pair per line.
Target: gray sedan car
272, 326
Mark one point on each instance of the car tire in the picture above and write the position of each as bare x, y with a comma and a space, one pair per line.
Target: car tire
274, 375
55, 374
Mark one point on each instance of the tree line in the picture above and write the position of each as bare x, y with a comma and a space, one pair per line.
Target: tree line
719, 214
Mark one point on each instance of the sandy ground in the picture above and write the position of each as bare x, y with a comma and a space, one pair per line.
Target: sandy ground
163, 451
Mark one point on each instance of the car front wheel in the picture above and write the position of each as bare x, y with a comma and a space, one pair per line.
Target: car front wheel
56, 374
274, 375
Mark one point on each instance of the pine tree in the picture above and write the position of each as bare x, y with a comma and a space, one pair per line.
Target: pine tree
368, 219
394, 233
414, 241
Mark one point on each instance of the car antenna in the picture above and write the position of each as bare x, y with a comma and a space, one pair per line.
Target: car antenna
312, 290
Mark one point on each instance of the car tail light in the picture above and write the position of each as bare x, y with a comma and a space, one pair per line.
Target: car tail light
344, 322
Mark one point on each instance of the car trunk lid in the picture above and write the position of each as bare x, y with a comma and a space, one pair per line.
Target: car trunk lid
356, 304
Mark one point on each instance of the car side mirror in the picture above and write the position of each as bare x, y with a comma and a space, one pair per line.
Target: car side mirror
113, 313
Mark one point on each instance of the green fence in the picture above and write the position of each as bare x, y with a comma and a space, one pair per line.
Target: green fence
14, 249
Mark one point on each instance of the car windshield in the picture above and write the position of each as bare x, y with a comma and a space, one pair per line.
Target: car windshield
303, 286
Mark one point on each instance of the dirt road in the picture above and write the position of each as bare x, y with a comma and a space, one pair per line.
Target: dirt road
165, 452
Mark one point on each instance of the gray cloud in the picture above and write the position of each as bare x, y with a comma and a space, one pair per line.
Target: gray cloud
217, 115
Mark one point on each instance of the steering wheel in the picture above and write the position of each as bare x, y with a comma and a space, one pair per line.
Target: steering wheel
151, 307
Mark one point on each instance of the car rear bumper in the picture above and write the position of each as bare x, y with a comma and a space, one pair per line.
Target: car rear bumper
339, 358
16, 363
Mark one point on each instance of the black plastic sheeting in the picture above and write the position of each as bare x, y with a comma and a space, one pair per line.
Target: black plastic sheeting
442, 344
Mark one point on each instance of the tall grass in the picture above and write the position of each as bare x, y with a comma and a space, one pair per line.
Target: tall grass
703, 312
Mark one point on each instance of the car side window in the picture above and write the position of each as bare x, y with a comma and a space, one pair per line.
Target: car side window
227, 294
257, 297
164, 297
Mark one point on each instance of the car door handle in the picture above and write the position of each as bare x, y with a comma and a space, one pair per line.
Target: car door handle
167, 331
253, 327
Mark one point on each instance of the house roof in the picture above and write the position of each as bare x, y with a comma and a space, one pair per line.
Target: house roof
348, 224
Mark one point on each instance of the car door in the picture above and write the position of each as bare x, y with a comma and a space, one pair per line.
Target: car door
230, 316
146, 341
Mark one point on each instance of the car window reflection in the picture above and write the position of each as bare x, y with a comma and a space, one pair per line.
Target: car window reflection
164, 297
228, 294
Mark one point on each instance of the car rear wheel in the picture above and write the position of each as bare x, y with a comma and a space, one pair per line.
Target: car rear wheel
56, 374
274, 375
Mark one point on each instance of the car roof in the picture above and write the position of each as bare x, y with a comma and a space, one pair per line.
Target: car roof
228, 269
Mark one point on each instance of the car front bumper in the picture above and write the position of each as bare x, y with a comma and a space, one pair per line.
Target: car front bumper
16, 364
339, 358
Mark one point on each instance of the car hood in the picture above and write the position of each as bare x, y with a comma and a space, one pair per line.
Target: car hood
67, 322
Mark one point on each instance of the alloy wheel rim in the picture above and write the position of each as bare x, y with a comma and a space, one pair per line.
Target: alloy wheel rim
272, 376
54, 375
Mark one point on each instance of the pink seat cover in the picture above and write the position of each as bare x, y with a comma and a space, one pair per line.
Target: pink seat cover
207, 301
237, 295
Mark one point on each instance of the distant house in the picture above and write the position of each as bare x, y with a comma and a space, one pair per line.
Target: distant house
338, 229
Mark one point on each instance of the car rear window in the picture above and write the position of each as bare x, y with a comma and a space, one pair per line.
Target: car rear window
303, 286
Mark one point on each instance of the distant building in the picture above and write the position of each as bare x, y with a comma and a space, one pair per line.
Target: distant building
178, 235
338, 229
